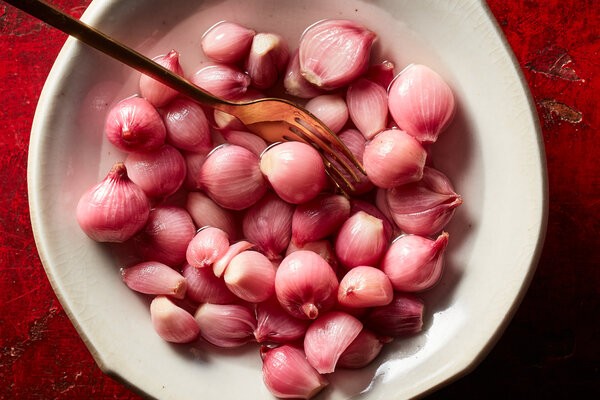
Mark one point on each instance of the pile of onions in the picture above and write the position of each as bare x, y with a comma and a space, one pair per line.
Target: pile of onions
239, 241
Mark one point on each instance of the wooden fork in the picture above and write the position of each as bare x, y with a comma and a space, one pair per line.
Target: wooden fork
272, 119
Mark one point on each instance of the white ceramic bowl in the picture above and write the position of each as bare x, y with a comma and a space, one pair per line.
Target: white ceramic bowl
492, 152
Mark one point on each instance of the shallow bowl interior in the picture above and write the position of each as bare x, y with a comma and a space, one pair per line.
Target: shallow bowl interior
492, 152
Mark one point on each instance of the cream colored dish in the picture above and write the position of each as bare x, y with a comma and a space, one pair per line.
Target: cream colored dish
492, 152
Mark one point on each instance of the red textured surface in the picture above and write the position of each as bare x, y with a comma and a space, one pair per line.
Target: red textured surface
550, 350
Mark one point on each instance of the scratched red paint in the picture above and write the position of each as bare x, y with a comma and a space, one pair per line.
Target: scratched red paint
550, 350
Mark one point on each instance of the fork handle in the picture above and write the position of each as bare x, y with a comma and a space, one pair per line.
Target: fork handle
111, 47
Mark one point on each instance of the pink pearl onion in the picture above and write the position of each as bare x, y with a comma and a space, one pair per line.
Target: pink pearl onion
287, 373
207, 246
305, 284
424, 207
367, 107
328, 337
159, 94
382, 73
226, 325
160, 173
231, 176
248, 140
414, 263
227, 42
295, 84
275, 325
166, 235
295, 170
362, 240
365, 286
133, 124
222, 80
267, 59
333, 53
268, 224
421, 102
113, 210
205, 212
331, 109
187, 125
364, 349
319, 217
193, 165
171, 322
250, 276
355, 141
394, 158
156, 278
204, 287
220, 266
402, 317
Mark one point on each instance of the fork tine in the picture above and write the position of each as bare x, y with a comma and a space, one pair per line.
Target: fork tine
326, 135
266, 117
337, 177
322, 146
338, 186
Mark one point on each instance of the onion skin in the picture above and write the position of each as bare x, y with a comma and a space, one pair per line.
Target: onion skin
113, 210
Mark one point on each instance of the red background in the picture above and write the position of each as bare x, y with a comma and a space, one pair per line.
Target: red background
550, 350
